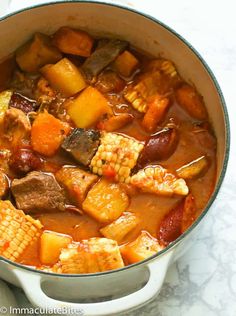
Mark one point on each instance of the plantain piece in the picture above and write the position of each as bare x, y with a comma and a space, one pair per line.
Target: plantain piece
77, 182
102, 57
106, 201
17, 231
82, 144
116, 156
118, 229
4, 184
5, 97
194, 169
89, 256
158, 180
143, 247
36, 53
115, 122
191, 101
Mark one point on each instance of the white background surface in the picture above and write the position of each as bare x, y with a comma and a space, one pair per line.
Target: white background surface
203, 282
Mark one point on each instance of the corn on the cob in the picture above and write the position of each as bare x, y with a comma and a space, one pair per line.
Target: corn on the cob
141, 248
137, 95
92, 255
168, 68
118, 153
17, 231
118, 229
156, 179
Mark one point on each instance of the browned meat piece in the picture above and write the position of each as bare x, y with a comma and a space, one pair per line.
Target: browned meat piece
22, 103
82, 144
16, 126
38, 192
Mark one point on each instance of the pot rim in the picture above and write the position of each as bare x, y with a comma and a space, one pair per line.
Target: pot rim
227, 141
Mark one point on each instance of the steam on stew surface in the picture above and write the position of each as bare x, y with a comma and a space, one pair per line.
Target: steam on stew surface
106, 155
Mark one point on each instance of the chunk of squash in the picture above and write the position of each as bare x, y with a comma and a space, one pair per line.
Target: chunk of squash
51, 244
65, 77
106, 201
126, 63
88, 107
118, 229
36, 53
47, 133
141, 248
71, 41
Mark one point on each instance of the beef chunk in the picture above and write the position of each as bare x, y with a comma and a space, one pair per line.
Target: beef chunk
82, 144
38, 192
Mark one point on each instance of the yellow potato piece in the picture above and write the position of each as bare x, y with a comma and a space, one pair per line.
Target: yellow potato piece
143, 247
106, 201
88, 107
65, 77
193, 169
126, 63
51, 244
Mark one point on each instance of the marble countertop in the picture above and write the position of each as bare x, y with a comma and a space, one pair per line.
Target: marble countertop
203, 281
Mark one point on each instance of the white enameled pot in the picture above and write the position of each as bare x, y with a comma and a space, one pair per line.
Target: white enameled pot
114, 291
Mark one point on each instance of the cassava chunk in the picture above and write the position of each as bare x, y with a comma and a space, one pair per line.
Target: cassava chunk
115, 122
51, 244
22, 103
106, 201
77, 182
102, 57
191, 101
157, 108
48, 133
118, 229
126, 63
89, 256
194, 168
71, 41
5, 97
141, 248
82, 144
87, 108
65, 77
36, 53
38, 192
16, 126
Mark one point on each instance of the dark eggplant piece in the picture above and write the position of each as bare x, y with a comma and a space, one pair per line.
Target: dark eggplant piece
159, 146
102, 57
82, 144
23, 103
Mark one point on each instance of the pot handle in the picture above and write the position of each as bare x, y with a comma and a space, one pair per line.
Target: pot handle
31, 284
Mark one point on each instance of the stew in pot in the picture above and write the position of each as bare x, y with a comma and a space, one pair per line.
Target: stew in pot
107, 155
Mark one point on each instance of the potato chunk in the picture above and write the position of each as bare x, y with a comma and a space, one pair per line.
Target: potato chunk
36, 53
193, 169
126, 63
71, 41
118, 229
141, 248
106, 201
88, 107
77, 182
51, 244
65, 77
